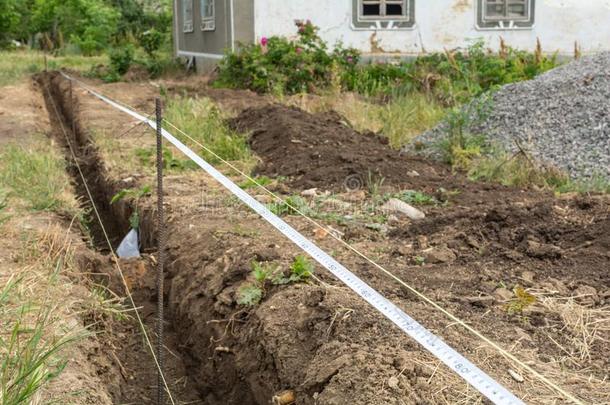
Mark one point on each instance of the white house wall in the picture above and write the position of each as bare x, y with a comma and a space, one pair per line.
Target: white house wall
443, 24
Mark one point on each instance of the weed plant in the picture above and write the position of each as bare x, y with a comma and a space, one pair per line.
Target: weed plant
251, 293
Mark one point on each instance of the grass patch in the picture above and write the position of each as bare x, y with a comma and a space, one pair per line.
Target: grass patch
407, 116
400, 119
38, 178
38, 313
201, 119
520, 170
148, 158
16, 65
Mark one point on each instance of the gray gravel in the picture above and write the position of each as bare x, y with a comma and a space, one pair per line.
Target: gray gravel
561, 117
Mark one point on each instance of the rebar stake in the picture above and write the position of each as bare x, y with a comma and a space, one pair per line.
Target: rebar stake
160, 254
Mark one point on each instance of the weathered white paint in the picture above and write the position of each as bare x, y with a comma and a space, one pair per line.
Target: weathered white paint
443, 24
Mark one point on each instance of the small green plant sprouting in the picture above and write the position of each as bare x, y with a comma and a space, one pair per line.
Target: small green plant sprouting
136, 194
290, 206
258, 181
374, 183
417, 198
251, 293
301, 269
521, 302
419, 260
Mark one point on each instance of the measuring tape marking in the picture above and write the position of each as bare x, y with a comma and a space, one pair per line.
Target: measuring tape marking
485, 384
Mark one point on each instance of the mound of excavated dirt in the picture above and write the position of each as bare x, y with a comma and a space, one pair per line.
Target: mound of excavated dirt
321, 150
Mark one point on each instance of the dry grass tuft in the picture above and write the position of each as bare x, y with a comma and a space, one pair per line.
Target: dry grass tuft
582, 326
42, 308
400, 120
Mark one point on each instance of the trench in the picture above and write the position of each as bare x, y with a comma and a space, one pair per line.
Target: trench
134, 377
192, 378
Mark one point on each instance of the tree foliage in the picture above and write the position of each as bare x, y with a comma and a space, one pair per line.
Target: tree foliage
87, 25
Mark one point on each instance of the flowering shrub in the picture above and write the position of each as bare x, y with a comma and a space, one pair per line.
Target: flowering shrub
282, 65
305, 64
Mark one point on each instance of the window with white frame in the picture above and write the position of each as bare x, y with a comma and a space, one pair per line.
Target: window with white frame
208, 15
383, 14
187, 15
505, 14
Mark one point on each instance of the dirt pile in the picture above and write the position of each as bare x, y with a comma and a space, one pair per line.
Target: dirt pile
321, 150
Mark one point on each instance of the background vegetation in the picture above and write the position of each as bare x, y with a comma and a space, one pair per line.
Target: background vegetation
127, 30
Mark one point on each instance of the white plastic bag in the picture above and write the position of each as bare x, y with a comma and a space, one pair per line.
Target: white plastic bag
129, 247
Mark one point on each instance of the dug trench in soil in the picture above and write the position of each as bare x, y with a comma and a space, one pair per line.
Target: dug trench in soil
125, 348
321, 340
62, 109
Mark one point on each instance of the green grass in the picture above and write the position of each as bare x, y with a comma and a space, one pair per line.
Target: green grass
202, 120
28, 360
36, 320
16, 65
400, 119
407, 116
38, 178
521, 171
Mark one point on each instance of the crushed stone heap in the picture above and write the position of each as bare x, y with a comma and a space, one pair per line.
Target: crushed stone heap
561, 117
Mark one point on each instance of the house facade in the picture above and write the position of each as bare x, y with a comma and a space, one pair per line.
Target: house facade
204, 29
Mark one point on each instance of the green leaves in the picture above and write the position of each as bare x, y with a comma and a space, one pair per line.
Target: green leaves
301, 269
251, 293
135, 193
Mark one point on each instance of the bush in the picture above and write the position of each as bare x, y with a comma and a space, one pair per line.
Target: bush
306, 64
288, 66
121, 59
453, 77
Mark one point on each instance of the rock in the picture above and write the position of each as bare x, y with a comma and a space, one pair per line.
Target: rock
542, 250
393, 382
335, 204
560, 118
503, 294
398, 207
264, 198
586, 295
422, 241
393, 220
353, 196
412, 173
528, 276
516, 376
287, 397
405, 250
440, 254
312, 192
383, 228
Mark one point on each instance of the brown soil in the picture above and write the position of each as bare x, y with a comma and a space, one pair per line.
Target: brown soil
319, 339
322, 151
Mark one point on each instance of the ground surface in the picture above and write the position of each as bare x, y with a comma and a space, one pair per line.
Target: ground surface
320, 340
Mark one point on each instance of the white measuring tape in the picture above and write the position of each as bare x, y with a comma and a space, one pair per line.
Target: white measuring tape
445, 353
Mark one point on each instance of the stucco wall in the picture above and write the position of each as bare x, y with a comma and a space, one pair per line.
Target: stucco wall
441, 24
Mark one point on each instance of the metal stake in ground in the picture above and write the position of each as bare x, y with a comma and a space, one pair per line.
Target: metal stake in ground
160, 254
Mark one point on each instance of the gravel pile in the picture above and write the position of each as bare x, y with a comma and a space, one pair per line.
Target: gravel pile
561, 117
